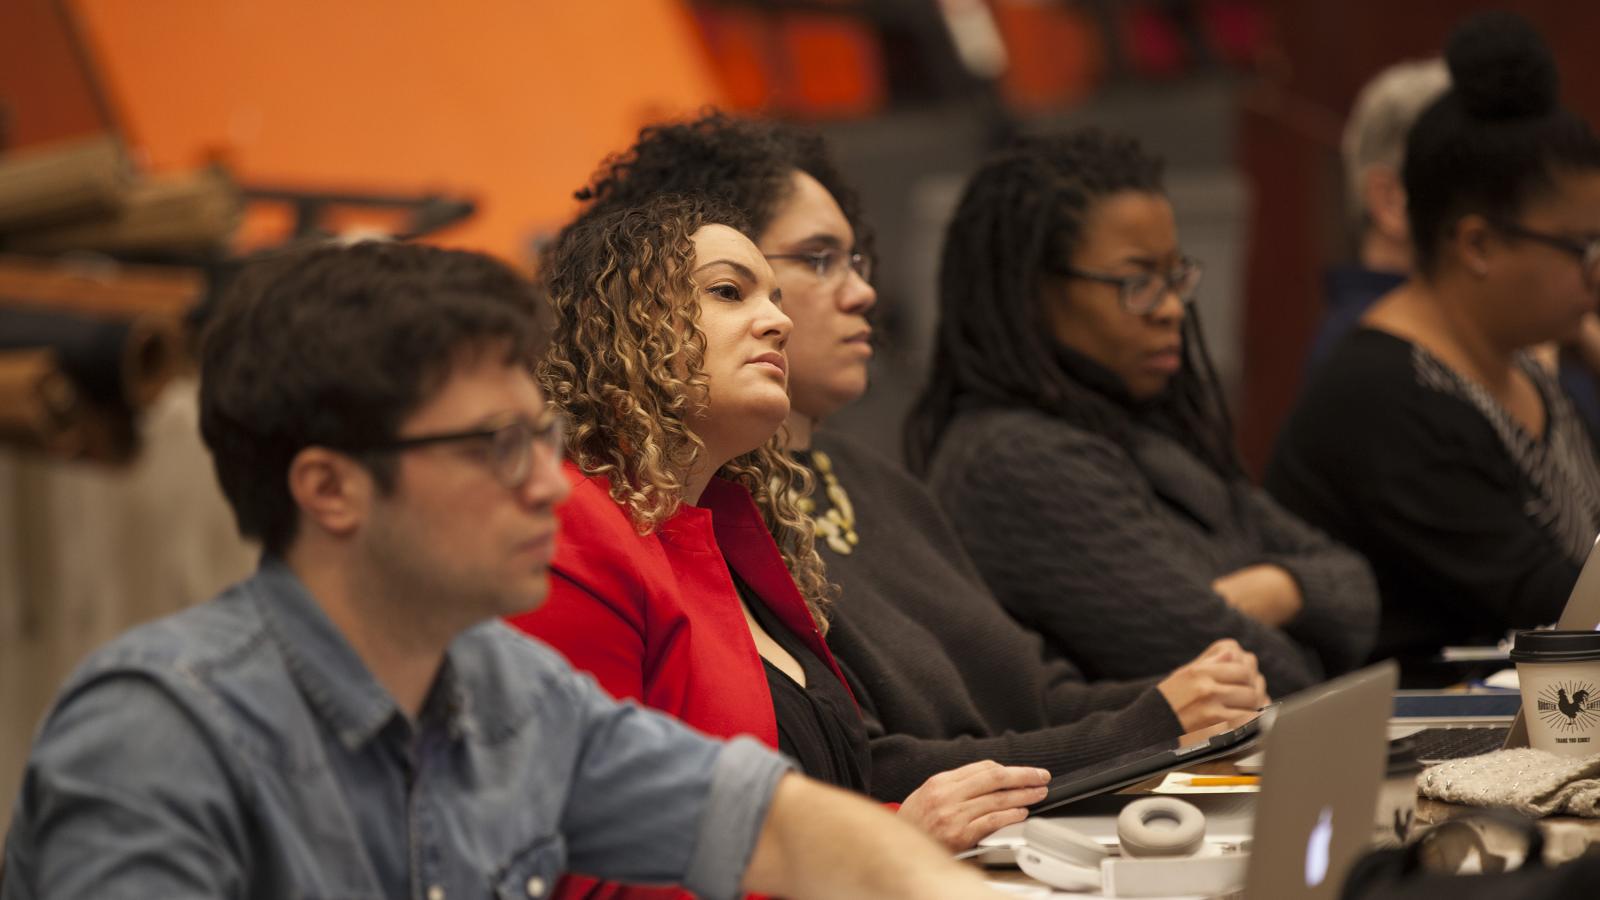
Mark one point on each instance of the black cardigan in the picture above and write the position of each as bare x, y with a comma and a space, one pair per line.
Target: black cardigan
943, 675
1110, 554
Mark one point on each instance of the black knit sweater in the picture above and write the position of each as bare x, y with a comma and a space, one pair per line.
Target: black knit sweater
943, 675
1110, 554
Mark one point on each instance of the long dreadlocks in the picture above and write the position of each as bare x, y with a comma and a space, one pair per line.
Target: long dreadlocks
1023, 209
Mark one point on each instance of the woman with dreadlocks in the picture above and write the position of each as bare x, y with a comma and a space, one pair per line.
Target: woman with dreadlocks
944, 676
1074, 431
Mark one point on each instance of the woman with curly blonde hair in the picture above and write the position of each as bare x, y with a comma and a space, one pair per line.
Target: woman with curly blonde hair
627, 365
685, 576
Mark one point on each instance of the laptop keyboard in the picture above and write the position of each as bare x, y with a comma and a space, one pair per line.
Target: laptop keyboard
1433, 745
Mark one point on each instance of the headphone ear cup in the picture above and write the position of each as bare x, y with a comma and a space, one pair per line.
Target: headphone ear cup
1059, 856
1062, 841
1160, 826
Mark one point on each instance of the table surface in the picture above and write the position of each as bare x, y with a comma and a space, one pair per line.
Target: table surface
1566, 836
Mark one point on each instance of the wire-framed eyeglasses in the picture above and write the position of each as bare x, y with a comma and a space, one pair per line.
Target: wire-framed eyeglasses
831, 264
1587, 252
1140, 294
507, 450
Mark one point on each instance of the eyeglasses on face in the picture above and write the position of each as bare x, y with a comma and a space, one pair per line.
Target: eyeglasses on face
507, 450
1586, 252
829, 265
1140, 294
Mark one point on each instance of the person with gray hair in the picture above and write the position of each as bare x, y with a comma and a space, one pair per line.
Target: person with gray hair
1373, 148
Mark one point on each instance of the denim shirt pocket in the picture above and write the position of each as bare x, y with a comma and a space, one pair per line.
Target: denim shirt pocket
532, 873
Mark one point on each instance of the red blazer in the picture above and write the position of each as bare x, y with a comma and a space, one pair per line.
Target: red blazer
656, 618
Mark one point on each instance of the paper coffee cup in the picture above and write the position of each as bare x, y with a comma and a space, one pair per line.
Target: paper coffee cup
1560, 676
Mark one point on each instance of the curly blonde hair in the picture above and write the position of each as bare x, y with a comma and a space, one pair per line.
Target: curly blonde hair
625, 367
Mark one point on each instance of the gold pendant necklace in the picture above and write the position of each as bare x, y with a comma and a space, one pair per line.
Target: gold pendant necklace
838, 525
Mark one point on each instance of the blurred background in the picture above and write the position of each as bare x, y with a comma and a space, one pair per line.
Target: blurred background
144, 144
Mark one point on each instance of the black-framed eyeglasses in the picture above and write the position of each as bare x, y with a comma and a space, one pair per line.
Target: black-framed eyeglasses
1587, 252
1141, 294
508, 449
826, 263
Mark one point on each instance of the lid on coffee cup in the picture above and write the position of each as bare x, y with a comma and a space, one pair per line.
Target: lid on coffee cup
1556, 646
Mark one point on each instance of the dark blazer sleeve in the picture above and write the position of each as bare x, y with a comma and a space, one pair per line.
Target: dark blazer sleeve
1339, 613
1065, 528
901, 763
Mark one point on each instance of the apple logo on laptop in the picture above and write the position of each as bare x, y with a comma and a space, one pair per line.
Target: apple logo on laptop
1317, 848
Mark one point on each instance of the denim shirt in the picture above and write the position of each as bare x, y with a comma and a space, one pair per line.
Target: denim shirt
241, 749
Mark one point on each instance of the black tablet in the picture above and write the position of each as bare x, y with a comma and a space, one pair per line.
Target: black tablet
1134, 767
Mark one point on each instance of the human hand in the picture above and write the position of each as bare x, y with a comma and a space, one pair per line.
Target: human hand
1222, 684
962, 805
1266, 593
819, 842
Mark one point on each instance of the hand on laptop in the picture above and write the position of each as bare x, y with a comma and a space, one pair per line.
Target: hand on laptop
1220, 685
962, 805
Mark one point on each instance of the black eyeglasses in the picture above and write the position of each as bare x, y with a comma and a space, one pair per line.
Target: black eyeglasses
826, 263
508, 450
1587, 252
1141, 294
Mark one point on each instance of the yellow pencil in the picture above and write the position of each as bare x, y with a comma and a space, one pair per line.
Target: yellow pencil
1223, 780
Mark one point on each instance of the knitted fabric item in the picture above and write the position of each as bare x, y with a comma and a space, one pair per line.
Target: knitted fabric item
1111, 555
1528, 781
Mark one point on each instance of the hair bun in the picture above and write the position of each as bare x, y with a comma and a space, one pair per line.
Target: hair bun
1500, 68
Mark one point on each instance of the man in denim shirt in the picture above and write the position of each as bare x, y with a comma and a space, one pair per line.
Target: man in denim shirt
346, 723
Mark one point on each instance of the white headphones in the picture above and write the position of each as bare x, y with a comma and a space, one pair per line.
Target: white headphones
1163, 853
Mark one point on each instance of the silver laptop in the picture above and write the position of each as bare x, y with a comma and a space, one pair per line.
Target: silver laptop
1461, 733
1324, 763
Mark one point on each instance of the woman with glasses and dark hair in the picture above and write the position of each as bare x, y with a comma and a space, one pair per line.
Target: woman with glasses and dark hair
1074, 432
944, 677
1431, 441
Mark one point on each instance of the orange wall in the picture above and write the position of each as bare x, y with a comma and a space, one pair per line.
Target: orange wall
44, 96
512, 101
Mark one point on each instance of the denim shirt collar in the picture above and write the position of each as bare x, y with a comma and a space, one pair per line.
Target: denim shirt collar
336, 683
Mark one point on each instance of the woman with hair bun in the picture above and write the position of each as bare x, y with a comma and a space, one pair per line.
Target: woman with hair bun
1431, 441
1073, 430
